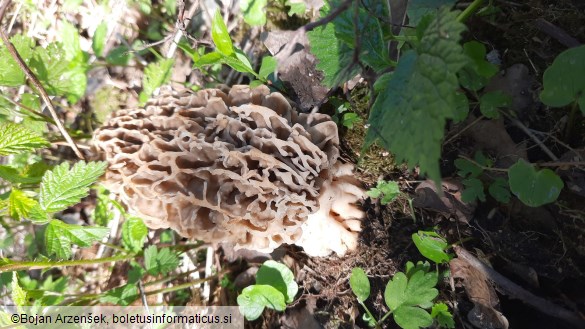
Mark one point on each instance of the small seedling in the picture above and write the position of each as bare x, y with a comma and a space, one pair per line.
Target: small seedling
388, 191
275, 288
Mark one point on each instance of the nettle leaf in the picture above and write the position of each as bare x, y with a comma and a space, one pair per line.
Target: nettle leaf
473, 190
221, 36
58, 75
255, 298
440, 312
360, 284
160, 261
15, 138
490, 102
98, 41
134, 233
19, 295
15, 177
534, 188
19, 204
11, 75
155, 75
335, 56
419, 8
59, 236
498, 189
432, 246
564, 80
410, 112
62, 187
280, 277
254, 11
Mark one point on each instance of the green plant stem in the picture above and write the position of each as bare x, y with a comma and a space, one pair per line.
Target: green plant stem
571, 122
470, 10
35, 265
181, 286
385, 316
481, 166
370, 314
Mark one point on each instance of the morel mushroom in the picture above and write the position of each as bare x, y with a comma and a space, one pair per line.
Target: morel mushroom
239, 167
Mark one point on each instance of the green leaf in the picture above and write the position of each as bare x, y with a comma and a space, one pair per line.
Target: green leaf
255, 298
62, 187
254, 11
155, 75
410, 112
389, 190
349, 119
136, 272
564, 80
239, 62
119, 56
220, 35
477, 53
19, 204
461, 107
58, 75
440, 312
421, 289
490, 102
408, 317
419, 8
499, 190
11, 75
134, 233
59, 236
18, 295
70, 42
267, 67
296, 8
123, 295
160, 261
98, 41
473, 190
335, 56
15, 138
395, 292
534, 188
13, 176
208, 59
360, 284
278, 276
467, 167
432, 246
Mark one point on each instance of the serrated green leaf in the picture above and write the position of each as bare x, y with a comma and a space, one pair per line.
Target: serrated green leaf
335, 56
534, 188
255, 298
419, 8
440, 312
136, 272
101, 213
490, 102
15, 138
155, 75
499, 190
432, 246
134, 233
122, 296
19, 295
11, 75
19, 204
408, 317
62, 187
267, 67
254, 11
160, 261
360, 284
564, 80
461, 107
409, 115
474, 190
13, 176
278, 276
467, 167
59, 236
221, 36
98, 41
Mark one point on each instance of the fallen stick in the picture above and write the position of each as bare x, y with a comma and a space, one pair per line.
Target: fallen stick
512, 290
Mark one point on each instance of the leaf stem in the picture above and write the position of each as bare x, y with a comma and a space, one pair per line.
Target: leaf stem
470, 10
482, 166
11, 266
370, 314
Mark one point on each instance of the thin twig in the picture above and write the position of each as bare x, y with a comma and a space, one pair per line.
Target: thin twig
35, 81
482, 166
515, 291
527, 131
